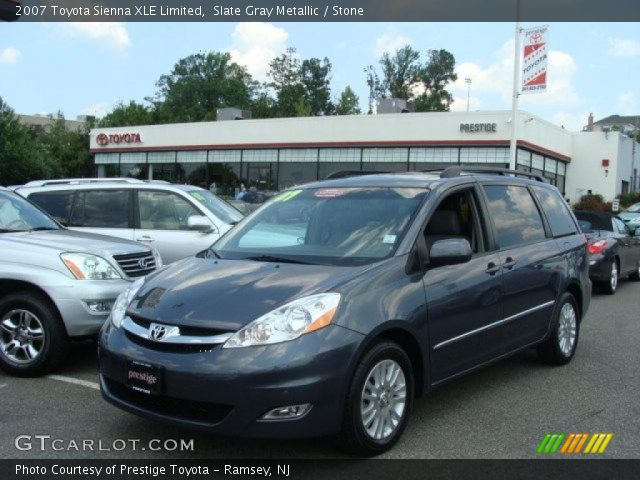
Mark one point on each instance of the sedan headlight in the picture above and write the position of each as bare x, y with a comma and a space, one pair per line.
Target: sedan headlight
122, 302
288, 322
89, 267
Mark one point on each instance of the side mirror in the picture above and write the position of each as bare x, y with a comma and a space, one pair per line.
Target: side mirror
199, 223
451, 251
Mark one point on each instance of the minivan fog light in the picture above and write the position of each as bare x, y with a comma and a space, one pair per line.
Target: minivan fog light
102, 306
287, 413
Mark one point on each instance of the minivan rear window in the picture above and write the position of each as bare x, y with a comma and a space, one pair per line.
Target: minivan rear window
556, 211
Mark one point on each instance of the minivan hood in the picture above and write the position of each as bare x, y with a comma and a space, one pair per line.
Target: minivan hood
227, 294
69, 241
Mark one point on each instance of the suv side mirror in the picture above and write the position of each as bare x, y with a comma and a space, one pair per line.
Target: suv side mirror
451, 251
199, 223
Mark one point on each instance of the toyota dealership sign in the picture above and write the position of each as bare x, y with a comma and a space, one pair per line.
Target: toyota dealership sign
103, 139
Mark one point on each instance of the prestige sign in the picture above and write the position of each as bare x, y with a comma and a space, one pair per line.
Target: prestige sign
478, 127
102, 139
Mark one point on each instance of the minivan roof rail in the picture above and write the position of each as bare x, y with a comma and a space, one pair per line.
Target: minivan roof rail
77, 181
352, 173
458, 170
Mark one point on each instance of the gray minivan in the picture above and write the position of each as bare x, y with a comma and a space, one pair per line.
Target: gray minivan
337, 303
178, 220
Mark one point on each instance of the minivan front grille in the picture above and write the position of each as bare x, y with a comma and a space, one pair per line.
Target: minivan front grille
136, 264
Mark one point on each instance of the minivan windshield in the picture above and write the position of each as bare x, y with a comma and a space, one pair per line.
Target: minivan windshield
18, 215
221, 209
332, 226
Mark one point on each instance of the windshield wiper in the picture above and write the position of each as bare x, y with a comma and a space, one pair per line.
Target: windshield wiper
272, 258
39, 229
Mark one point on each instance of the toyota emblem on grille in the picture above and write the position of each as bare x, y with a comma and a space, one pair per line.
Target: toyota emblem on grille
162, 333
157, 332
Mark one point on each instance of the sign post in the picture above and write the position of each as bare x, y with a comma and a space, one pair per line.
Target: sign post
513, 145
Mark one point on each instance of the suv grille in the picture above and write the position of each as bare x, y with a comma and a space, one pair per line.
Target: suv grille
136, 264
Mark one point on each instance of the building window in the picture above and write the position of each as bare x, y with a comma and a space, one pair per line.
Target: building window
524, 161
162, 166
134, 165
386, 155
342, 155
296, 173
433, 155
192, 168
107, 164
481, 155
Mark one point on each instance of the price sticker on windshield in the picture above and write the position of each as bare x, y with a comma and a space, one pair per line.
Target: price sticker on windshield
329, 192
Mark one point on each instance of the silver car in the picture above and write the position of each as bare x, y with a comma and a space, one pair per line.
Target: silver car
56, 284
178, 220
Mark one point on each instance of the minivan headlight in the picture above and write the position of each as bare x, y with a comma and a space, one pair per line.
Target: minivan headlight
288, 322
85, 266
122, 302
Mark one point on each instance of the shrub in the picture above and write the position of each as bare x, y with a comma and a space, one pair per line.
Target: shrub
592, 203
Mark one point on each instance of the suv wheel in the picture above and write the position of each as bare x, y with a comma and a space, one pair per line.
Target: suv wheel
609, 287
560, 346
378, 400
635, 276
33, 340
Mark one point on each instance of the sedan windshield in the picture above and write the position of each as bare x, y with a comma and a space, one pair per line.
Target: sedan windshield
335, 226
220, 208
18, 215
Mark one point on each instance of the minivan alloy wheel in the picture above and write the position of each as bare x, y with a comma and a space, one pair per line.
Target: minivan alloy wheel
567, 329
21, 336
383, 399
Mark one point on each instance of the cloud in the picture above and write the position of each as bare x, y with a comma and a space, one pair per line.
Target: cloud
570, 120
621, 47
628, 103
390, 41
9, 55
98, 110
496, 78
254, 45
110, 34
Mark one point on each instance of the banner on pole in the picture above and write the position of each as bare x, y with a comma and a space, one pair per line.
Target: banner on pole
534, 65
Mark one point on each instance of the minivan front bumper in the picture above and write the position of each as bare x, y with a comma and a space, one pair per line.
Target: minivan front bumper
226, 391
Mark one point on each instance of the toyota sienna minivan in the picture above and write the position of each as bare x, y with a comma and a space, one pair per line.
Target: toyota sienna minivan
333, 307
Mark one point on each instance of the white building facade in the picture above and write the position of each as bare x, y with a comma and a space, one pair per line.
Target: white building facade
274, 154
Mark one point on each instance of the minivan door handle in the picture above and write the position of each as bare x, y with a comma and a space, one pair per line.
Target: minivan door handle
492, 268
509, 263
144, 238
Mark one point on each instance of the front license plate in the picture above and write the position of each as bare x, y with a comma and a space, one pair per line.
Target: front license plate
143, 377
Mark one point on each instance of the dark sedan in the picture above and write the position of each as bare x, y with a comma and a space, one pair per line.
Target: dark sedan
614, 249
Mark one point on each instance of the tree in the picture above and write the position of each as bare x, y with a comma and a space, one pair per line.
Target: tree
348, 104
403, 76
67, 150
200, 84
126, 115
437, 73
21, 153
315, 76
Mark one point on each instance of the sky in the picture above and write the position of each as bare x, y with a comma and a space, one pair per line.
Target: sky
87, 68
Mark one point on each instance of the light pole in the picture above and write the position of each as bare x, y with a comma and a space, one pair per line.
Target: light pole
468, 82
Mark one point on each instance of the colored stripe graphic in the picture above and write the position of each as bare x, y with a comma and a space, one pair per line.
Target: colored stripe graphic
572, 443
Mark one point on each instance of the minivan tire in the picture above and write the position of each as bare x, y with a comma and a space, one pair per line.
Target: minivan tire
610, 286
553, 351
53, 347
354, 437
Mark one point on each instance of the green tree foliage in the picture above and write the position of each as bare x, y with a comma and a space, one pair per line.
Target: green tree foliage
402, 75
201, 83
348, 103
126, 115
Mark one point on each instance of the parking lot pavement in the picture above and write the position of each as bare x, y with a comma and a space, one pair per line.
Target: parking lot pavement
503, 411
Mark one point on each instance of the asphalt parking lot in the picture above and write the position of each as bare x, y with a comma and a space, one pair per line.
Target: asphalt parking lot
503, 411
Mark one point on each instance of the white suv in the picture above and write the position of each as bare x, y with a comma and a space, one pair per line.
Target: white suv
178, 220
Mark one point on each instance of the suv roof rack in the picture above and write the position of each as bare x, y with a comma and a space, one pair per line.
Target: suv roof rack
78, 181
459, 170
352, 173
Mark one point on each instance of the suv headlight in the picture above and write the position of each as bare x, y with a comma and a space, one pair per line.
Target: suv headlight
122, 302
85, 266
157, 257
288, 322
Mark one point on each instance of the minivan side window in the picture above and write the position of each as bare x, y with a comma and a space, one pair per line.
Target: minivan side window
164, 210
515, 215
556, 211
102, 208
57, 203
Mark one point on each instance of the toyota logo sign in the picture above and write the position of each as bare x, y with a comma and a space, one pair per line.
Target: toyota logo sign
103, 139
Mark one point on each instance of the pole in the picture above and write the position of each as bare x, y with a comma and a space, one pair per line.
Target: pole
514, 105
468, 82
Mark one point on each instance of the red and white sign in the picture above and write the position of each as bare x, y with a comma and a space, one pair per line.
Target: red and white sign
536, 57
102, 139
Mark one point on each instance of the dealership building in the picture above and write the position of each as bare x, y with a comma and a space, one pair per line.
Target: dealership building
274, 154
